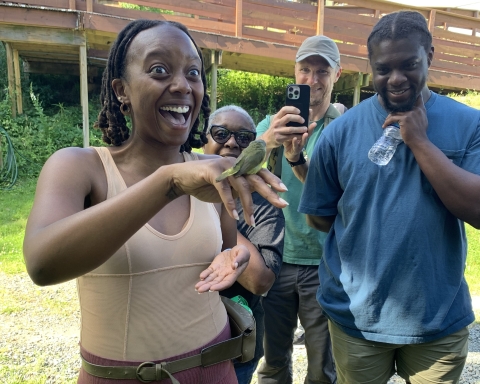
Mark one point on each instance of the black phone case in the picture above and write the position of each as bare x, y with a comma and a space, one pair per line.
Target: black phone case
298, 95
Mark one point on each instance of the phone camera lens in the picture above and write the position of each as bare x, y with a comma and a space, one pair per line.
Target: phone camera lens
296, 93
290, 95
290, 89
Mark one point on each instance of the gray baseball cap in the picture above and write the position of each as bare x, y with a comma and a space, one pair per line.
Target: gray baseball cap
322, 46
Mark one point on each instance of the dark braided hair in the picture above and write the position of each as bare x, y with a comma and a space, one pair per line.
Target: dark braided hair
110, 120
400, 25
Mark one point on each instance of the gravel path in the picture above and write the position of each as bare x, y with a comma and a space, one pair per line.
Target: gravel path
39, 330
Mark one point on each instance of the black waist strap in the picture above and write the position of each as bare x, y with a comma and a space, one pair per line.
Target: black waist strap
148, 371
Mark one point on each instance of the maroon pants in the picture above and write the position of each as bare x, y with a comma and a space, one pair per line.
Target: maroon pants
221, 373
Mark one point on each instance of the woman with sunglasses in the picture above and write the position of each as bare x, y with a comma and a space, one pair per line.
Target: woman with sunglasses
229, 132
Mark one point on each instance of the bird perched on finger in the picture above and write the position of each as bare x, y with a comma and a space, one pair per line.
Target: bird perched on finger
249, 162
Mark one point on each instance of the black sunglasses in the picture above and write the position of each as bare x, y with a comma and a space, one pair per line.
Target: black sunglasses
221, 135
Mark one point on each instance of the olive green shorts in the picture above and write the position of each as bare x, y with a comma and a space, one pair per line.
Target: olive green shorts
361, 361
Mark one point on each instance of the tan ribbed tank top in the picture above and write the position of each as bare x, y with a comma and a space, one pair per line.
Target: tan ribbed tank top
141, 304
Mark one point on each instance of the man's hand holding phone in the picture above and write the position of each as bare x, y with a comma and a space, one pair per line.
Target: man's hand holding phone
298, 95
279, 131
289, 127
293, 148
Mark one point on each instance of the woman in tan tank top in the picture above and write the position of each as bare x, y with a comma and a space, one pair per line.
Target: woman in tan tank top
134, 222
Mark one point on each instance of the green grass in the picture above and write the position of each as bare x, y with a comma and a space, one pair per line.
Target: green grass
472, 271
15, 207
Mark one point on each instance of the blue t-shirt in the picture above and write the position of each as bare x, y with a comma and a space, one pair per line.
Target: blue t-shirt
394, 258
303, 245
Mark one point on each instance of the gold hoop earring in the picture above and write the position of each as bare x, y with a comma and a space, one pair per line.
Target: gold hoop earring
125, 109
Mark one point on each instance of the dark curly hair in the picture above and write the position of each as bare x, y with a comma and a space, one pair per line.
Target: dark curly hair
400, 25
110, 120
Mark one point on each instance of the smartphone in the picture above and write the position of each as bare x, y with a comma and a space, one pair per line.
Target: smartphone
298, 95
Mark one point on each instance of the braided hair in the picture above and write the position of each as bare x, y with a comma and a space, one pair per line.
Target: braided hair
110, 120
400, 25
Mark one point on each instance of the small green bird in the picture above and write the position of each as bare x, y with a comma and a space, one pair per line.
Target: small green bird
249, 162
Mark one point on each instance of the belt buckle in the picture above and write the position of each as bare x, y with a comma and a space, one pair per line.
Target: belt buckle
137, 372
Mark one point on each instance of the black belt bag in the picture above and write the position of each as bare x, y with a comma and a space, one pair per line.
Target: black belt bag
240, 346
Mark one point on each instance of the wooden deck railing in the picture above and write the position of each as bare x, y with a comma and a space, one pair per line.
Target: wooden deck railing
455, 34
74, 36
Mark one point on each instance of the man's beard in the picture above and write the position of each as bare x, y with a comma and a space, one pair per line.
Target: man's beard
318, 100
404, 107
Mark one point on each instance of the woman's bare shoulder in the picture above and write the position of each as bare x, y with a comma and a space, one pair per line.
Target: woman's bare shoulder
74, 167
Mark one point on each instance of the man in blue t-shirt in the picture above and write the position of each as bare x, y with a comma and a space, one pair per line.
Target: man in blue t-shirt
392, 277
294, 292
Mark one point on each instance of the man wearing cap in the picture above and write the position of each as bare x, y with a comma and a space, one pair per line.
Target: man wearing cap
294, 292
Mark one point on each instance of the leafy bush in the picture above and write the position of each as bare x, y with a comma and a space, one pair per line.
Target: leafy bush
257, 94
54, 89
36, 134
470, 98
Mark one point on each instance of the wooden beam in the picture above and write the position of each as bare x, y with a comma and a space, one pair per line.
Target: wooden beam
320, 16
238, 18
11, 78
366, 80
216, 61
89, 6
18, 84
454, 81
84, 94
39, 35
218, 11
475, 30
71, 5
356, 90
431, 20
60, 68
387, 6
39, 16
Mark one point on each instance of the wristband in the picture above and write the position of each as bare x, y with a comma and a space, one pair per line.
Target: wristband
301, 160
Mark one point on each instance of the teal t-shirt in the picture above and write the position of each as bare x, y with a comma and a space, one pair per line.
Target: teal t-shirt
302, 245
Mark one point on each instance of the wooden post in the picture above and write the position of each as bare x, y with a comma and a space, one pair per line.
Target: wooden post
238, 18
431, 20
356, 93
213, 83
71, 5
18, 84
475, 30
84, 94
320, 16
11, 78
89, 6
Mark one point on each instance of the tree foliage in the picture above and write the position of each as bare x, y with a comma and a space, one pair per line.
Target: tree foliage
144, 8
257, 94
36, 134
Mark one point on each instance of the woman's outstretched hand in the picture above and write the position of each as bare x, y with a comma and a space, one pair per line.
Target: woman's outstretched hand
198, 179
225, 269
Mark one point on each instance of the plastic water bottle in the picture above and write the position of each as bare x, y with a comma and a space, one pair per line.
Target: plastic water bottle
384, 148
